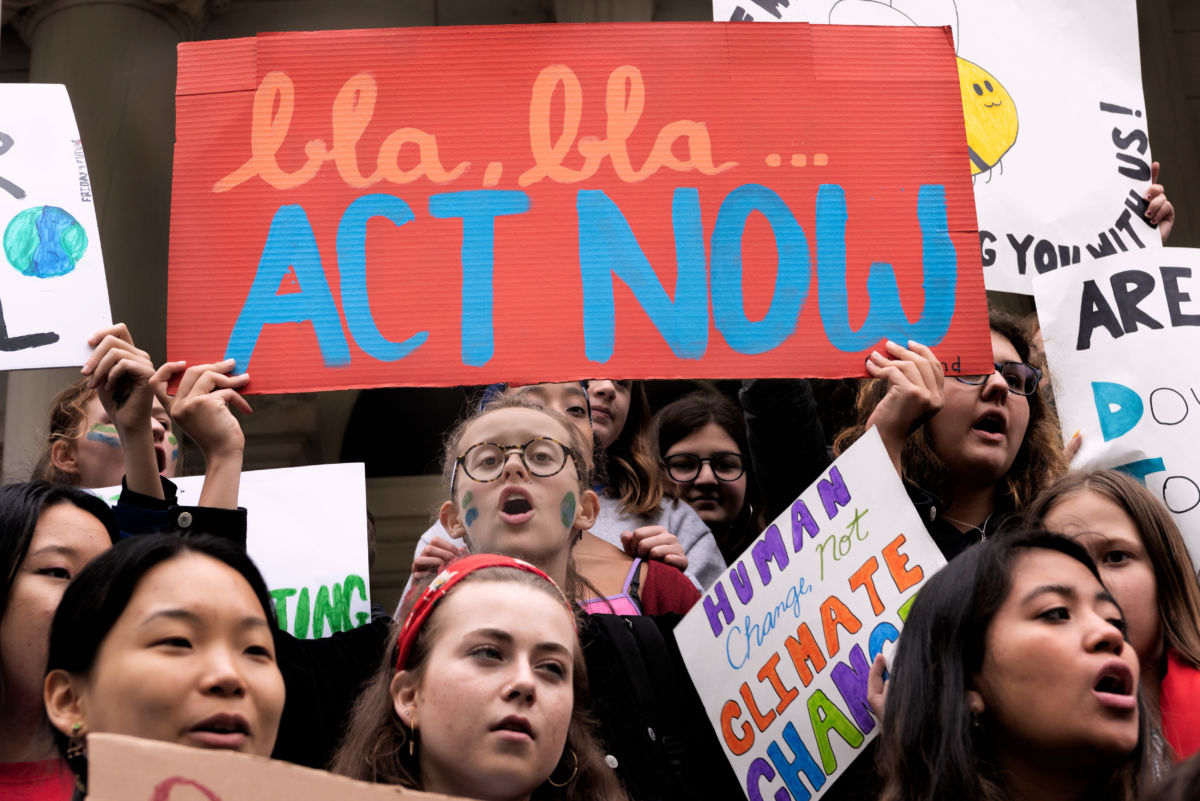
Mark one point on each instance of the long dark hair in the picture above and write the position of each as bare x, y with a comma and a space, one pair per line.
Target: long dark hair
375, 747
1039, 460
21, 505
95, 600
928, 750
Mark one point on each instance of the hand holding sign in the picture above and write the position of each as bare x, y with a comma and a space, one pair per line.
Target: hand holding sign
1159, 210
914, 394
203, 407
781, 648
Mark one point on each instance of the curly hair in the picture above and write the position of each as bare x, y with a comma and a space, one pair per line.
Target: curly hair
68, 419
67, 423
1039, 460
375, 748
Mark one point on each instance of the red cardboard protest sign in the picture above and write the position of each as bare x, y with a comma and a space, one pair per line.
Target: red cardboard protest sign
536, 203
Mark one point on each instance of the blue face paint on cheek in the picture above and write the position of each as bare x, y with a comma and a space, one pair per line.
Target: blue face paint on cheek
568, 509
104, 434
471, 516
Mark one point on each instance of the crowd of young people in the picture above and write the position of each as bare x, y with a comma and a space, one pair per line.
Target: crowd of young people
1056, 656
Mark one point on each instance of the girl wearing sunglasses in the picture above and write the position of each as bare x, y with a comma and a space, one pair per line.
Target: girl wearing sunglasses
972, 448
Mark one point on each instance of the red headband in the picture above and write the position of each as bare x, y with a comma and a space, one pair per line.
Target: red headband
451, 575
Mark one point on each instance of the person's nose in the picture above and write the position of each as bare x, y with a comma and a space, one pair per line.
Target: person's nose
707, 477
521, 686
995, 388
1104, 636
514, 464
602, 388
222, 675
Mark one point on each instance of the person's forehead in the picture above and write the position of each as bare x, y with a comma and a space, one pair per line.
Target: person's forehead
517, 424
568, 389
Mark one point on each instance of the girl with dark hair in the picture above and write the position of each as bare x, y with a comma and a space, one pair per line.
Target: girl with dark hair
481, 693
1012, 680
701, 444
166, 638
973, 449
637, 505
1145, 563
47, 534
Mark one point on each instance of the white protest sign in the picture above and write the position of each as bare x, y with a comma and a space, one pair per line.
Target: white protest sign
1056, 123
1121, 337
307, 533
779, 649
53, 295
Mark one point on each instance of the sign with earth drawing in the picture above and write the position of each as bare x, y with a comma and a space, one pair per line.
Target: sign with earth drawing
53, 294
1059, 150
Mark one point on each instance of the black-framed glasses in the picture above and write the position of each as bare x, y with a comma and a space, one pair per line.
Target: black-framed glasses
726, 466
542, 456
1022, 379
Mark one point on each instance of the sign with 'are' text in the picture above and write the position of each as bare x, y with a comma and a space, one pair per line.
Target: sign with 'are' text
780, 648
534, 203
1120, 339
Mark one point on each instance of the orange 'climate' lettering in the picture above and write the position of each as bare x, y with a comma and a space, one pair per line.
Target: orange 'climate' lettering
624, 101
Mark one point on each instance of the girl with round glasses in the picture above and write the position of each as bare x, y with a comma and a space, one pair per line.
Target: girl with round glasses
972, 449
519, 486
701, 442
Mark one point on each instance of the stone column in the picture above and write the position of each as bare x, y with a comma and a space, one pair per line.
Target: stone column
117, 59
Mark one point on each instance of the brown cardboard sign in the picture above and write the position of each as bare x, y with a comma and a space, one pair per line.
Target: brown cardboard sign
122, 768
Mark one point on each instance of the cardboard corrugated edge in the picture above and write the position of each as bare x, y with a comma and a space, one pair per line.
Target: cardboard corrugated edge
223, 65
123, 768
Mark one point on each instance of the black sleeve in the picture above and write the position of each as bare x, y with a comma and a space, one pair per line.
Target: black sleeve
787, 441
322, 678
143, 514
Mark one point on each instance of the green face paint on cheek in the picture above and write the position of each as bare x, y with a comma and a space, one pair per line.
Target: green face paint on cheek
568, 509
466, 501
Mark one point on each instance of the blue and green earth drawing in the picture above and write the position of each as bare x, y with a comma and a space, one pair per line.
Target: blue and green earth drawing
44, 242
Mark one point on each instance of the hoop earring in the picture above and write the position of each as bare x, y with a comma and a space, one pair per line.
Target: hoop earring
574, 770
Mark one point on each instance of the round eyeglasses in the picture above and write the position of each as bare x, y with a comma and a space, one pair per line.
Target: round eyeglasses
542, 457
685, 467
1022, 379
